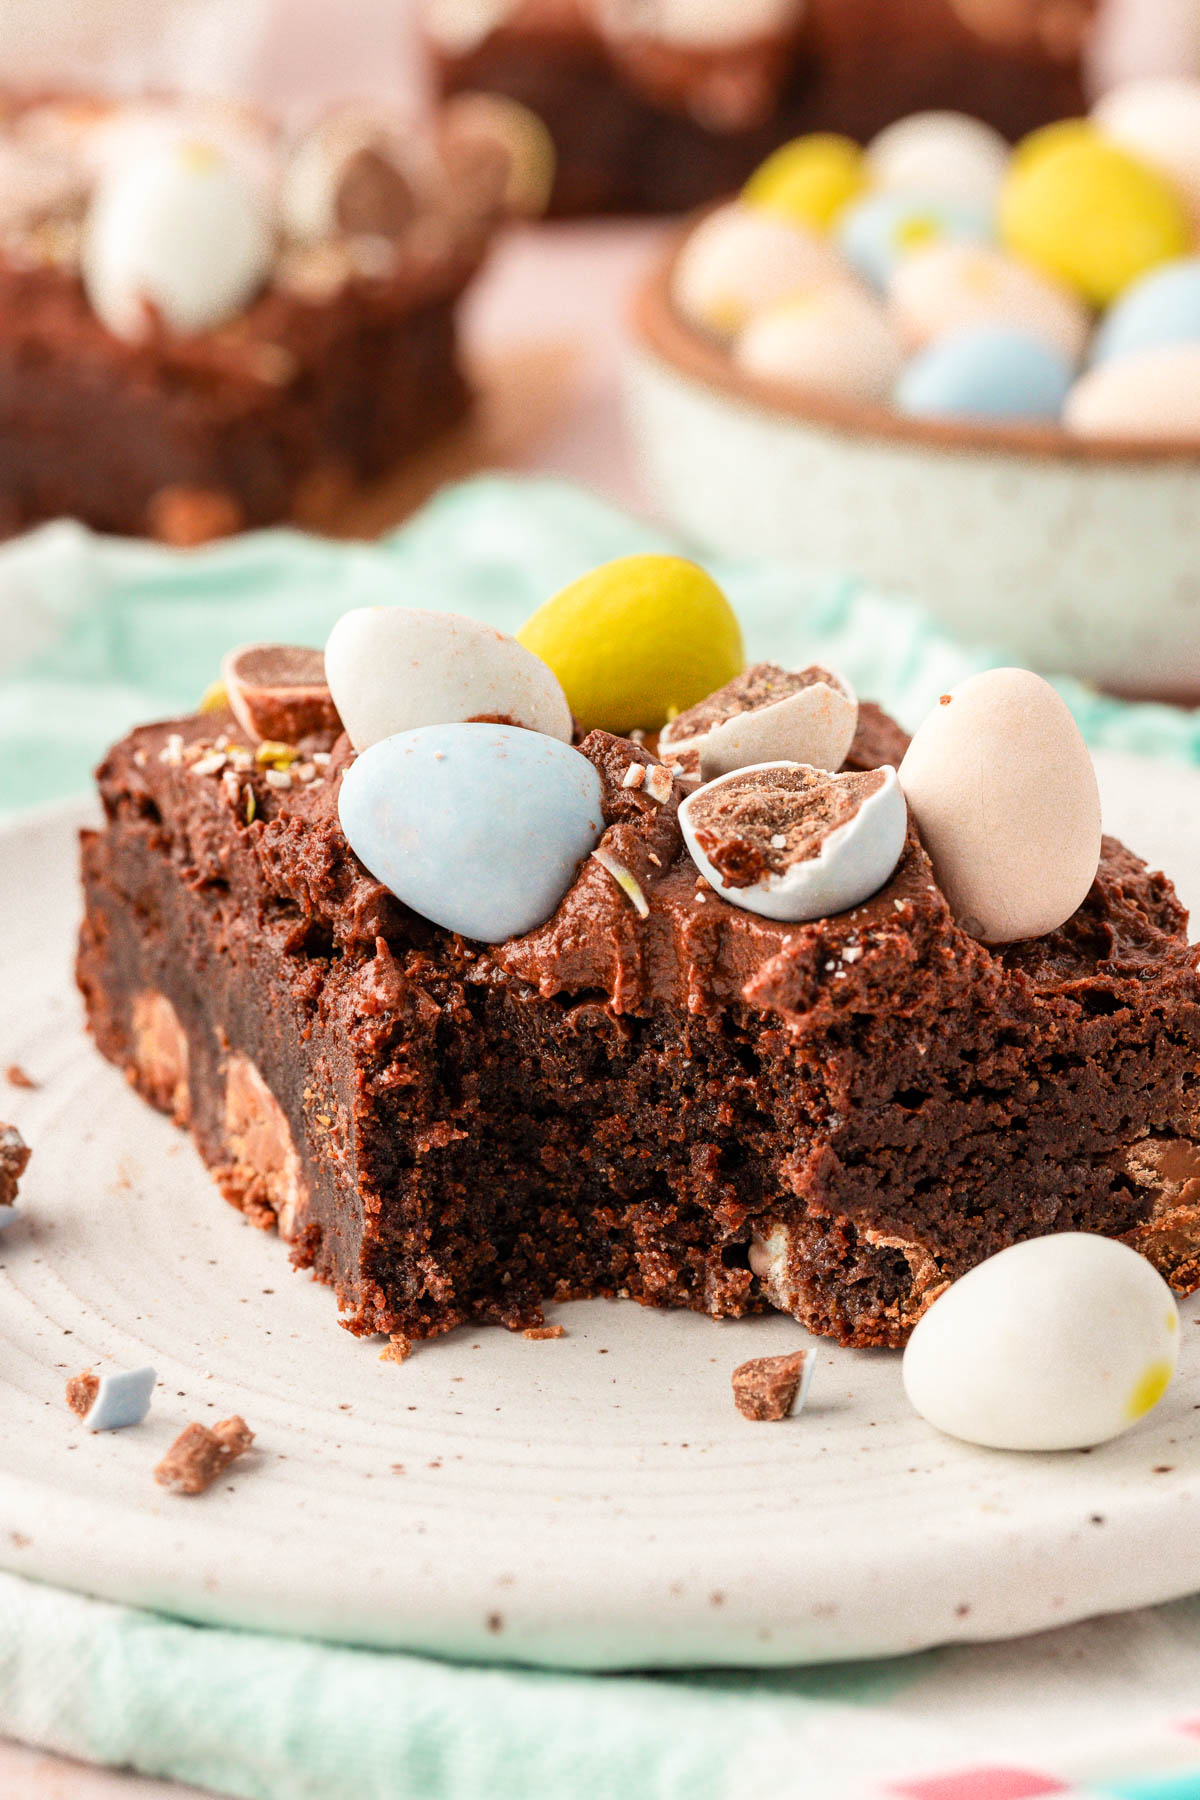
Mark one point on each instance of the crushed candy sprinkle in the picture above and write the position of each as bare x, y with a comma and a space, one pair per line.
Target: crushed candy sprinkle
625, 879
278, 778
211, 764
658, 783
634, 776
276, 755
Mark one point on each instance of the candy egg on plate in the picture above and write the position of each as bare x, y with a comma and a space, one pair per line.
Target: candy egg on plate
479, 828
392, 668
637, 640
1057, 1343
809, 181
1091, 215
791, 842
1152, 395
944, 153
181, 228
948, 286
1158, 118
1162, 308
740, 259
1004, 795
876, 232
985, 372
831, 340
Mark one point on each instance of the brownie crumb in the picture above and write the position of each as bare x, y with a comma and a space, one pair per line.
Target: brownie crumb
199, 1455
14, 1159
396, 1350
538, 1332
763, 822
766, 1388
81, 1393
18, 1077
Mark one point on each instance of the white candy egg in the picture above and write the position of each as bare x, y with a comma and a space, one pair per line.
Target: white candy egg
393, 668
852, 863
948, 286
944, 153
832, 340
815, 725
1158, 118
1004, 795
740, 260
1056, 1343
1149, 395
181, 228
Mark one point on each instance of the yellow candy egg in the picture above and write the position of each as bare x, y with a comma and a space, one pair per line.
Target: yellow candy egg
1092, 215
1048, 138
810, 180
637, 641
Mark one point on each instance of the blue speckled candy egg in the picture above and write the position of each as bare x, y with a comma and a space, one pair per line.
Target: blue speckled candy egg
879, 231
985, 372
1162, 308
479, 828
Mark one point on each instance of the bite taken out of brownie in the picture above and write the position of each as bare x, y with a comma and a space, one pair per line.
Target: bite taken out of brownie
656, 1092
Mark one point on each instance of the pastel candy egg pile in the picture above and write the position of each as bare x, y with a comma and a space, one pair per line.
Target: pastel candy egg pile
180, 230
479, 828
393, 668
637, 640
1058, 1343
944, 275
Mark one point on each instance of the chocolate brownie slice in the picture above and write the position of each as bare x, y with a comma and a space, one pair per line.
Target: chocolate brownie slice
698, 1107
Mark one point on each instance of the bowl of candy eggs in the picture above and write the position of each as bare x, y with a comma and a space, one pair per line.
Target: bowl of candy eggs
957, 368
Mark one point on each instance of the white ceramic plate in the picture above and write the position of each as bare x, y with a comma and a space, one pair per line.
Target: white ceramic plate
593, 1501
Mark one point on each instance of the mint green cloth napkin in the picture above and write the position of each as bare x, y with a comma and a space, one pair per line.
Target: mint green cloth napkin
97, 634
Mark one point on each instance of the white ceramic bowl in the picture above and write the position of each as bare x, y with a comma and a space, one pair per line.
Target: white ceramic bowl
1077, 556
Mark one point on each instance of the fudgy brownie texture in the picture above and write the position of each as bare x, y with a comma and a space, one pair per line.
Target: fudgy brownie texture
699, 1108
634, 124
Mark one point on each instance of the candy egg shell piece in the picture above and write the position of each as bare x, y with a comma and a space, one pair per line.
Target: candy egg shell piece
945, 153
637, 641
815, 726
1002, 788
1153, 396
478, 828
1158, 118
985, 372
853, 862
878, 231
809, 181
314, 200
1162, 308
181, 228
832, 340
948, 287
739, 260
393, 668
1093, 216
1057, 1343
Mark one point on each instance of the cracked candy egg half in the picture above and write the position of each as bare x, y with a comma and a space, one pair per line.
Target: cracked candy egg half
791, 842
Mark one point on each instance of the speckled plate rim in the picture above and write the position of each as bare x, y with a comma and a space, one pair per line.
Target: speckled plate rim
591, 1502
658, 326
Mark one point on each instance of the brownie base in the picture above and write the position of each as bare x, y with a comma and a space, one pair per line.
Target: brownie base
861, 65
195, 439
445, 1140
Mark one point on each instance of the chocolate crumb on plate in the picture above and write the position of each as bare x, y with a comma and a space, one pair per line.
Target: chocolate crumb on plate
81, 1393
538, 1332
14, 1158
199, 1455
766, 1387
18, 1077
